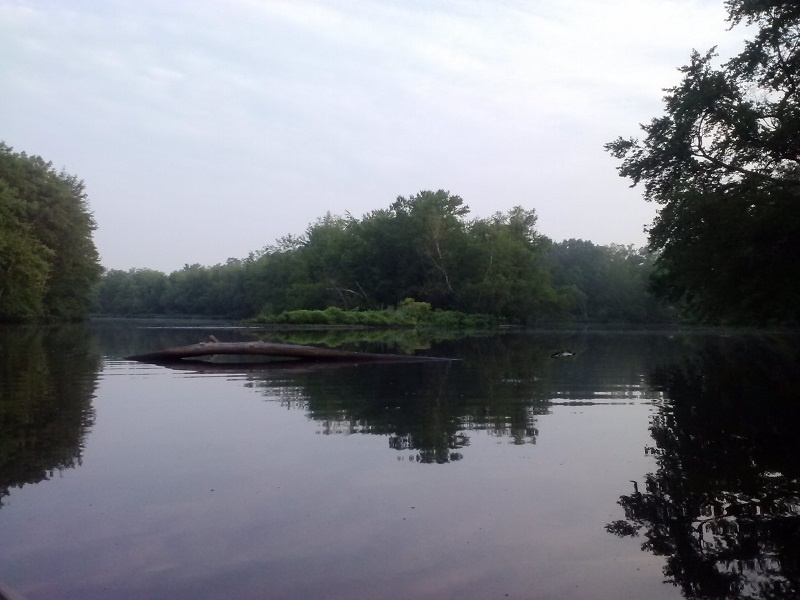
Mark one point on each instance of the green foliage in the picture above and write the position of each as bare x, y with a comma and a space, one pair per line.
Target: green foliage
408, 313
135, 292
505, 269
48, 261
345, 271
414, 312
395, 340
422, 247
606, 283
724, 163
219, 291
24, 261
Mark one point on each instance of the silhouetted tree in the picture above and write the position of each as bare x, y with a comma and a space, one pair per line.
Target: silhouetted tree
724, 163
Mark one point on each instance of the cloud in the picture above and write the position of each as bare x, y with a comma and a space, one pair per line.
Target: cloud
244, 121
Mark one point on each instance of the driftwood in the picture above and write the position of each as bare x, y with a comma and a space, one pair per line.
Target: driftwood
268, 349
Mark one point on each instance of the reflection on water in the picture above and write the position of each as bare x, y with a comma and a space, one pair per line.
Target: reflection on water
724, 504
499, 384
192, 482
47, 378
424, 407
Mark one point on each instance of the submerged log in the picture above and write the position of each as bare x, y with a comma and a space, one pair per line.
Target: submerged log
285, 351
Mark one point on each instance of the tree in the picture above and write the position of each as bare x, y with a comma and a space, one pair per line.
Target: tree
48, 262
724, 163
605, 283
504, 270
435, 221
25, 262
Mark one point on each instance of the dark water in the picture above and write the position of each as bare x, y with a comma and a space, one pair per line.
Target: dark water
648, 465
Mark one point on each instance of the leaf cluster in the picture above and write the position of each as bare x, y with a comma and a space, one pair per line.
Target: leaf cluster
724, 164
48, 261
408, 313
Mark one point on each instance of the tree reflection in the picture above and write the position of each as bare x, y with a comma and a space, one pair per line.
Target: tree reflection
47, 378
501, 384
724, 504
426, 408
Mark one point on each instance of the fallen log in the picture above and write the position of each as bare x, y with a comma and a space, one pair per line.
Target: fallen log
268, 349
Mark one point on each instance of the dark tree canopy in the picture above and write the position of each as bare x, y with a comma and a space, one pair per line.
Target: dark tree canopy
48, 260
724, 163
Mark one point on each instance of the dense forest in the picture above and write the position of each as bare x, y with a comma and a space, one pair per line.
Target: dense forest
48, 261
423, 247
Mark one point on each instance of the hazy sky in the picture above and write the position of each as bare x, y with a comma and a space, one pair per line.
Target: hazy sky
207, 130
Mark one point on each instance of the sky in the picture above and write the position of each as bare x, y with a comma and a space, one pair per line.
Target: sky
206, 130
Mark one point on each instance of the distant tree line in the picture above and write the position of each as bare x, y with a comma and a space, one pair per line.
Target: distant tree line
48, 261
423, 247
606, 283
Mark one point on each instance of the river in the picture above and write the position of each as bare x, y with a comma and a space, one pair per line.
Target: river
660, 464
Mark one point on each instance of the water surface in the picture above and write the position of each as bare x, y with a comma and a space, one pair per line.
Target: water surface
648, 465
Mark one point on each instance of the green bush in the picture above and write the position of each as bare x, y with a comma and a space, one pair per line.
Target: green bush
409, 313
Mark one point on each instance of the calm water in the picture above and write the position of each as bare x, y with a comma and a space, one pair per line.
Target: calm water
649, 465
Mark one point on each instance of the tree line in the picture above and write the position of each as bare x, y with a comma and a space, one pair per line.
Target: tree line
424, 247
